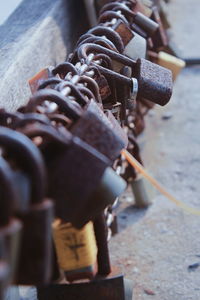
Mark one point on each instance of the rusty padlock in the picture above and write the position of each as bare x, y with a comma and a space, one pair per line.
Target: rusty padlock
135, 45
34, 265
80, 181
91, 125
154, 82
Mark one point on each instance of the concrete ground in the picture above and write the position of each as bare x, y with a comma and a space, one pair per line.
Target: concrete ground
159, 248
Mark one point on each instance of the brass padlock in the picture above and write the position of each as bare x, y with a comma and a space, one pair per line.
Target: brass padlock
168, 61
171, 62
76, 250
34, 264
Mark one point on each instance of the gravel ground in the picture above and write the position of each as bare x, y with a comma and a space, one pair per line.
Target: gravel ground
155, 247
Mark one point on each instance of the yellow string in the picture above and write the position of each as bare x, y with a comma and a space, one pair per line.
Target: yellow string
135, 164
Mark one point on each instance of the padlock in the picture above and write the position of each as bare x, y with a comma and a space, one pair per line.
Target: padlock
135, 45
79, 191
34, 264
10, 227
154, 82
92, 126
76, 250
171, 62
140, 192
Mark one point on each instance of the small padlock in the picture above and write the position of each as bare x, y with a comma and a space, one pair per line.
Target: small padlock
10, 227
92, 126
94, 123
140, 193
155, 82
171, 62
76, 250
135, 45
34, 264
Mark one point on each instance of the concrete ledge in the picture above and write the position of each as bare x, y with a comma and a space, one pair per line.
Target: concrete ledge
38, 34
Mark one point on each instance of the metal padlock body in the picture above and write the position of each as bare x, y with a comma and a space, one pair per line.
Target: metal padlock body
116, 127
94, 128
135, 45
74, 175
34, 262
155, 82
10, 227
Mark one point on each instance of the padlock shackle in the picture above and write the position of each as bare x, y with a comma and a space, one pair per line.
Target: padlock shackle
74, 91
8, 193
56, 97
116, 6
86, 92
63, 69
53, 80
111, 35
92, 86
5, 116
29, 159
99, 41
109, 15
30, 118
48, 132
60, 119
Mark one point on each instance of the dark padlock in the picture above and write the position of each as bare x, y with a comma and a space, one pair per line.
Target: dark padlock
80, 181
92, 126
10, 227
34, 265
154, 82
135, 45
